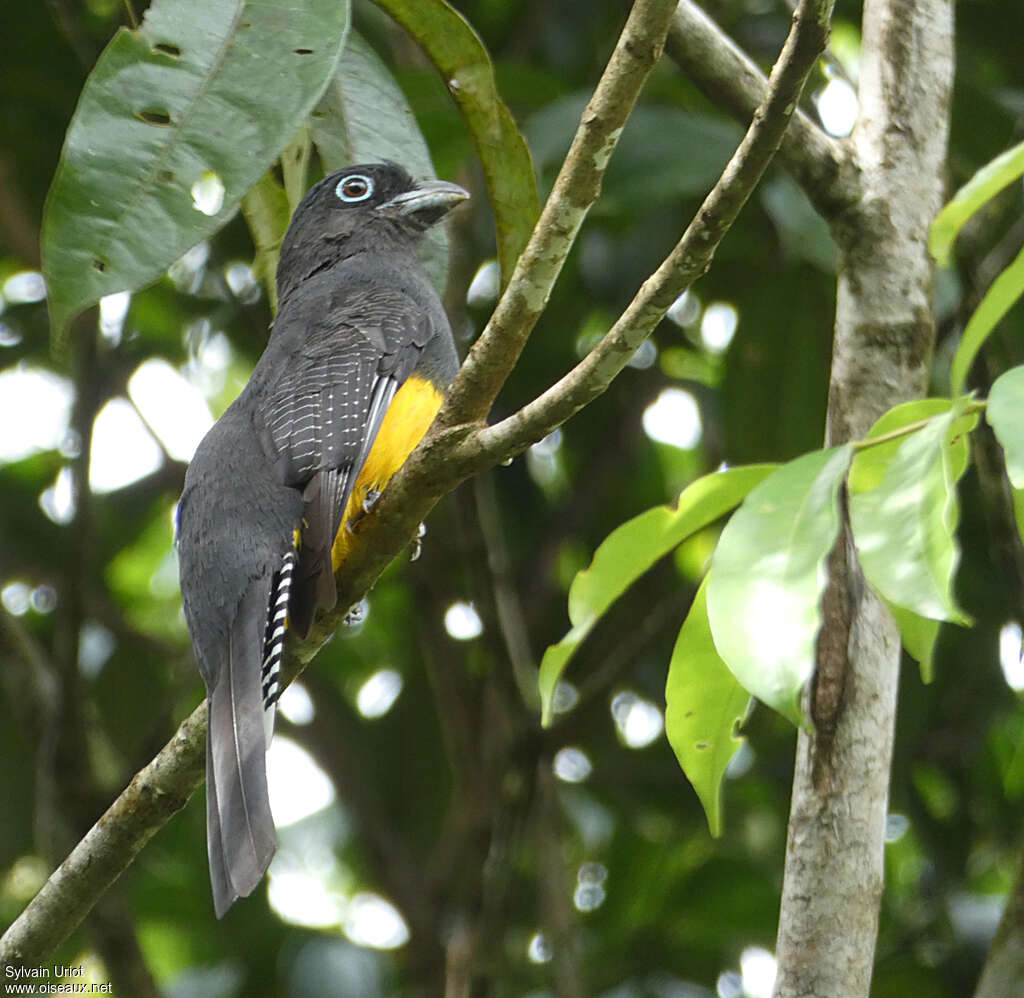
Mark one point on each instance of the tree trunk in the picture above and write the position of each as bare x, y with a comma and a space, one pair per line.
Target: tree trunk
884, 336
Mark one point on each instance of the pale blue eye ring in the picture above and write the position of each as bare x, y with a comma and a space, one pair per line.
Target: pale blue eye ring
354, 188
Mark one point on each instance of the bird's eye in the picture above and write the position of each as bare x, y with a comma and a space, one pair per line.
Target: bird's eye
355, 187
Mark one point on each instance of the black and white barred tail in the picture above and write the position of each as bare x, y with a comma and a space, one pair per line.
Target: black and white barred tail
273, 640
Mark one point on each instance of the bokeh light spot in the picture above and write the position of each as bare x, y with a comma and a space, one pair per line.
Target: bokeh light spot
378, 694
462, 622
571, 765
674, 418
298, 786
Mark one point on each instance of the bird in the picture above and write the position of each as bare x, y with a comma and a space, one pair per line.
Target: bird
356, 367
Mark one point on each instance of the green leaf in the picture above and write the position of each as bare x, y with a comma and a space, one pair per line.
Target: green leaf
630, 550
918, 635
904, 526
978, 191
1018, 511
1005, 415
768, 577
704, 706
203, 89
460, 57
265, 207
871, 463
295, 167
1005, 291
364, 117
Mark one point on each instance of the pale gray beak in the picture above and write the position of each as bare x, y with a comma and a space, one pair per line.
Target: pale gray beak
427, 203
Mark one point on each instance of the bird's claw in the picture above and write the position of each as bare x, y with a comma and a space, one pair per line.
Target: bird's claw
417, 543
370, 500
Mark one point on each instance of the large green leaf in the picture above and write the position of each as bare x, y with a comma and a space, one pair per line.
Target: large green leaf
630, 550
460, 57
1005, 291
978, 191
704, 705
768, 577
1005, 414
363, 117
203, 90
904, 526
918, 633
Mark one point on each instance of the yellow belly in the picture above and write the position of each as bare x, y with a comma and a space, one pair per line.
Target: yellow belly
408, 417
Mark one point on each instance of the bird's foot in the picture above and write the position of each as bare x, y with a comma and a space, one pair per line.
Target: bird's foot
357, 614
417, 543
367, 506
370, 500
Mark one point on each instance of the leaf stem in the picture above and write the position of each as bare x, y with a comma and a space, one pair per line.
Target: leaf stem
974, 405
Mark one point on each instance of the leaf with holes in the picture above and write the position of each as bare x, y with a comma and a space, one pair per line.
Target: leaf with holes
768, 577
630, 550
704, 705
460, 57
178, 119
904, 526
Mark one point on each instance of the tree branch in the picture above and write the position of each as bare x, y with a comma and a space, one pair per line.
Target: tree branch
688, 260
576, 188
725, 74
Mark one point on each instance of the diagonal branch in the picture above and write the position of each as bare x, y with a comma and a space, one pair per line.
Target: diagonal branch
576, 188
690, 258
727, 76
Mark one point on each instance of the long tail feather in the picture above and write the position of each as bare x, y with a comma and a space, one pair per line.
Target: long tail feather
238, 812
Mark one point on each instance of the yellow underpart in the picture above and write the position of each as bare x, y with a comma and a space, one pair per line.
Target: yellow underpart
408, 417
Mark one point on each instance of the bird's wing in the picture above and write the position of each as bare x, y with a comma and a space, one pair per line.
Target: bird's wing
357, 346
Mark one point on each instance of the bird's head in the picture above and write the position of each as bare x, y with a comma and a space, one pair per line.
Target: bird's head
373, 205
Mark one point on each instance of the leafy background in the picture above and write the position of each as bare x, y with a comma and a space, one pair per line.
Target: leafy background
653, 905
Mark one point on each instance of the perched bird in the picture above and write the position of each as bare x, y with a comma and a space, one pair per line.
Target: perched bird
358, 361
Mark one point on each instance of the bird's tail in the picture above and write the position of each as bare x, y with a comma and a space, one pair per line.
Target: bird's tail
239, 826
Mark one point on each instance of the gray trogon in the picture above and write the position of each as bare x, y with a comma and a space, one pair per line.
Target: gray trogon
359, 358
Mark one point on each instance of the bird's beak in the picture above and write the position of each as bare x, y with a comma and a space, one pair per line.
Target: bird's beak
427, 203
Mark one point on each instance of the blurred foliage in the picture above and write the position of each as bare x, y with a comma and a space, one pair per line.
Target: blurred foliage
445, 805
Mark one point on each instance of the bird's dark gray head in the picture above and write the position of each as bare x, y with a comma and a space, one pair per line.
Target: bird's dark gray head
370, 206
